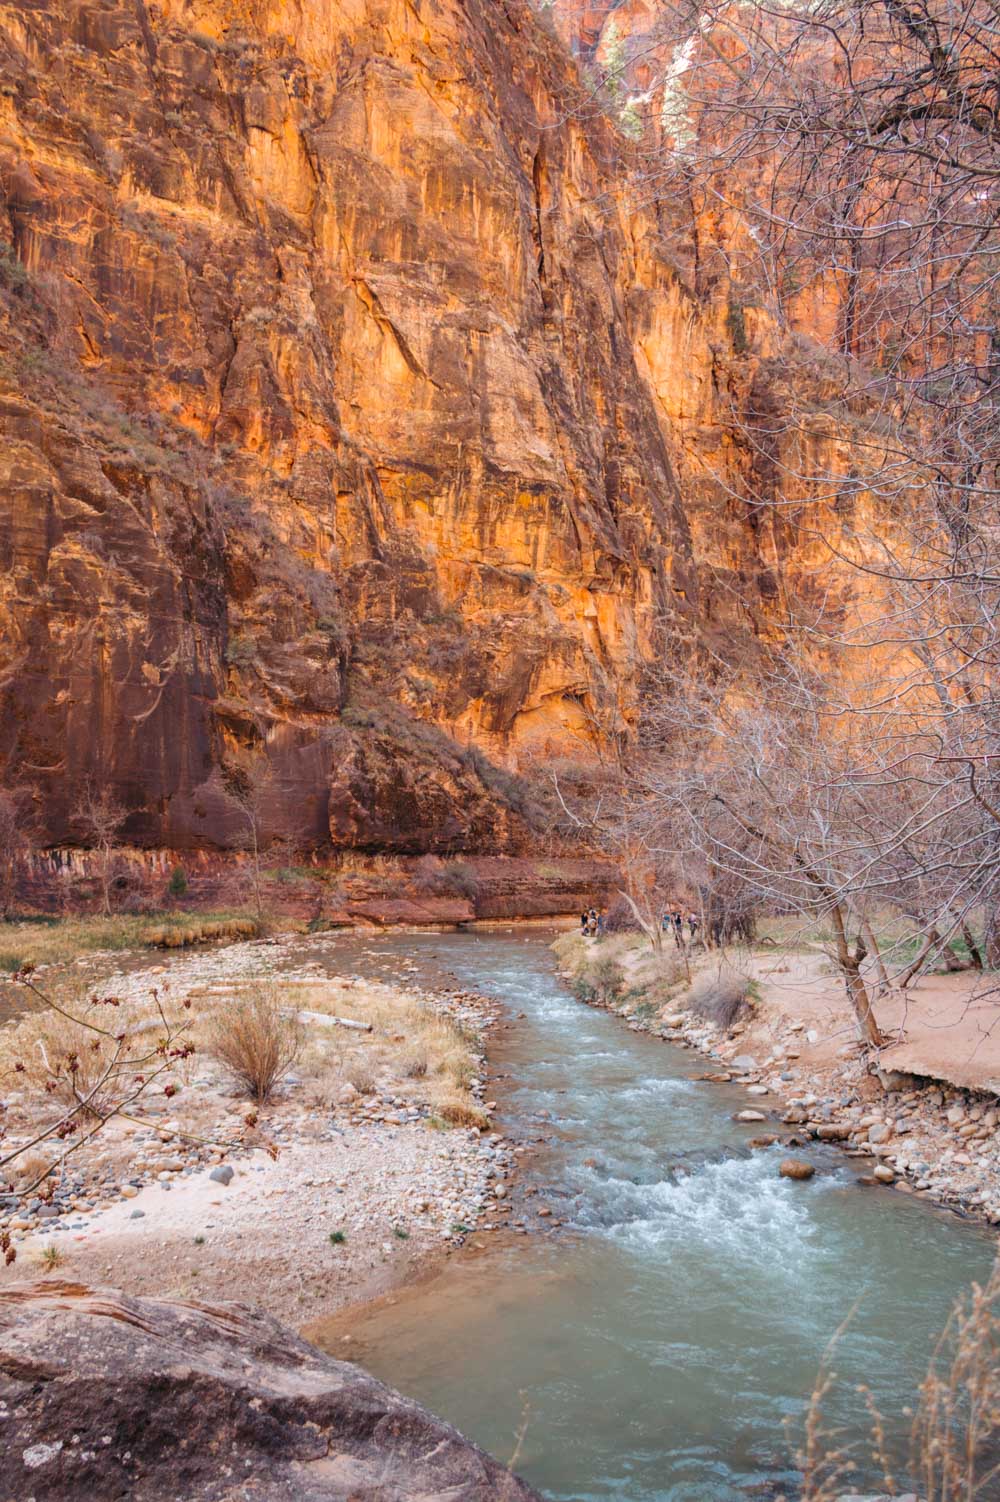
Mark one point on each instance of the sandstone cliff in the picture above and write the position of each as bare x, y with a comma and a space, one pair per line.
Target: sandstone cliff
344, 395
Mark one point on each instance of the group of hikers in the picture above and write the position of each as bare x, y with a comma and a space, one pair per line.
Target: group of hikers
672, 921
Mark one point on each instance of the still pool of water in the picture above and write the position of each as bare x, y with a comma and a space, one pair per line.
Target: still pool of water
662, 1348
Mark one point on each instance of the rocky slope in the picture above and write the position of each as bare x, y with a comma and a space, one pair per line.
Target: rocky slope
107, 1396
355, 421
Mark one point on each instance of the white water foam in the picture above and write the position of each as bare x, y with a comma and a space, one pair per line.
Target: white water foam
736, 1208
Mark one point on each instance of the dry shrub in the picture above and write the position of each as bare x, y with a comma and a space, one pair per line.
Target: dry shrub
956, 1432
720, 997
458, 1112
621, 918
414, 1064
65, 1060
607, 976
256, 1041
360, 1074
954, 1450
29, 1168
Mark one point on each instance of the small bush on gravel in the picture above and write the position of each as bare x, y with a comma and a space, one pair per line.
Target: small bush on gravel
255, 1041
360, 1074
719, 997
414, 1064
458, 1112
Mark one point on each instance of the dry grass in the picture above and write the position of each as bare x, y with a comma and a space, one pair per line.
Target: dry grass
954, 1448
415, 1063
62, 940
255, 1040
459, 1112
51, 1058
30, 1167
409, 1040
620, 964
359, 1073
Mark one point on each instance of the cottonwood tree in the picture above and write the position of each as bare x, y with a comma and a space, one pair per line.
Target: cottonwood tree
843, 166
99, 819
248, 778
607, 810
14, 843
755, 786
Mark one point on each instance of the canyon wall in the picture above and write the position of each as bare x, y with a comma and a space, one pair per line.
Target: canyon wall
363, 435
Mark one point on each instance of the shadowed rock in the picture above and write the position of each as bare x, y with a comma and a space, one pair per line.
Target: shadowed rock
110, 1397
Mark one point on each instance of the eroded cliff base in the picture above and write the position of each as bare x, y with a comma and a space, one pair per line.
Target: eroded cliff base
350, 891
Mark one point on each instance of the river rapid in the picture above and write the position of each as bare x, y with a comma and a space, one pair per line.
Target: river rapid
663, 1344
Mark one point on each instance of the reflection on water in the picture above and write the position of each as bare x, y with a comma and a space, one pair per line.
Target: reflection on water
658, 1351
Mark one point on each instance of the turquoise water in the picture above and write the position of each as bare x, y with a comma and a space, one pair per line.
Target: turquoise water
663, 1346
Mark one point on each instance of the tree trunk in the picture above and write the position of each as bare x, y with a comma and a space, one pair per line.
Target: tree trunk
948, 955
992, 938
932, 938
972, 947
876, 953
857, 991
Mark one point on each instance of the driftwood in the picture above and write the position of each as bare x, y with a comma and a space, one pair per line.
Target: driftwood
323, 1019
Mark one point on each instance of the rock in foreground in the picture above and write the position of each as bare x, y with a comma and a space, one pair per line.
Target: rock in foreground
107, 1397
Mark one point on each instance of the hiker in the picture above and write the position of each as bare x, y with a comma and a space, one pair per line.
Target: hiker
694, 923
584, 920
665, 922
592, 922
677, 918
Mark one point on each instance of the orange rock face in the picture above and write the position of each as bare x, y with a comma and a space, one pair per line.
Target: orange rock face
344, 397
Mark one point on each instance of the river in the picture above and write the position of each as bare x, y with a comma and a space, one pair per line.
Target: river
661, 1347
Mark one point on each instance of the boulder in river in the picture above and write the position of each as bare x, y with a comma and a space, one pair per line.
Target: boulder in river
108, 1396
796, 1168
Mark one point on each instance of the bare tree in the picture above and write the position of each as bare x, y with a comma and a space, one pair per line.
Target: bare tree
843, 165
14, 843
756, 786
249, 784
99, 817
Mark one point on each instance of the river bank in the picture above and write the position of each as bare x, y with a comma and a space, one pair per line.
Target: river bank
929, 1134
373, 1159
663, 1343
601, 1343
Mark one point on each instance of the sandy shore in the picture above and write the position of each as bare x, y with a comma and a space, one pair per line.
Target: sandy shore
367, 1188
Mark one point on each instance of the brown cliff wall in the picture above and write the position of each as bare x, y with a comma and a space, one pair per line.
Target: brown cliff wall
343, 398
